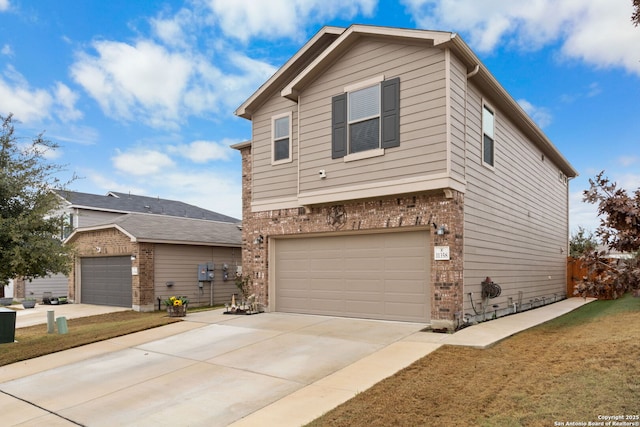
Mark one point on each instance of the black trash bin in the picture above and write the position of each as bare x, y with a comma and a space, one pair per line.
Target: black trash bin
7, 325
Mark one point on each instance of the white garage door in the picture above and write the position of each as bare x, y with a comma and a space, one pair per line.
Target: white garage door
374, 276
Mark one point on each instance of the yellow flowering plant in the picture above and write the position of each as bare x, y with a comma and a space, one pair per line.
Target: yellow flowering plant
176, 301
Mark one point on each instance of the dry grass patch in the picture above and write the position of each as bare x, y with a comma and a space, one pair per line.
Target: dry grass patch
34, 341
574, 368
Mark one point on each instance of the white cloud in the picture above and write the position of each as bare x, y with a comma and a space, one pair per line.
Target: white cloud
141, 162
216, 190
628, 181
66, 99
210, 189
7, 50
174, 31
627, 161
32, 105
540, 115
598, 32
594, 90
83, 135
27, 104
282, 18
135, 82
203, 151
582, 214
4, 5
149, 83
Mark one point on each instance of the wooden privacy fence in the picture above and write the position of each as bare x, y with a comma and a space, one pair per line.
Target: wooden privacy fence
576, 270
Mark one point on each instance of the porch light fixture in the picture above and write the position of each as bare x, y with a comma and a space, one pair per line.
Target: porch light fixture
440, 231
259, 240
133, 257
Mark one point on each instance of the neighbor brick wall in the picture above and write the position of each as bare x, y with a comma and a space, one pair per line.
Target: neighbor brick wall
401, 212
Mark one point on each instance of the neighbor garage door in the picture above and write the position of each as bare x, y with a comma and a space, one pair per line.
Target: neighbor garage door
374, 276
106, 281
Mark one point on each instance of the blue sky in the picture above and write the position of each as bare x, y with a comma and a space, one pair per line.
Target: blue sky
140, 95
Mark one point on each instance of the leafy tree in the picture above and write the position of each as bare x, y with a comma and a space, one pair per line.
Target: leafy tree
619, 229
581, 241
636, 13
29, 231
619, 214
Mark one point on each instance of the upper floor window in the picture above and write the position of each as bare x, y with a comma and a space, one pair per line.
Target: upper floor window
67, 225
366, 118
488, 138
281, 138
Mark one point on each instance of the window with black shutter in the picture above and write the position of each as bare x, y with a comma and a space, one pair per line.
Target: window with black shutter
366, 118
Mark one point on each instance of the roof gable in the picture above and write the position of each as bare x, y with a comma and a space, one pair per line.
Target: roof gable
316, 45
296, 78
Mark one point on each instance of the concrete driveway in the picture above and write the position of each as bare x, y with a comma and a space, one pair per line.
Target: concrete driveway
211, 370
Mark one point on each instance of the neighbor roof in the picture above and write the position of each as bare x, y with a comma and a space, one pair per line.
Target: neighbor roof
170, 229
130, 203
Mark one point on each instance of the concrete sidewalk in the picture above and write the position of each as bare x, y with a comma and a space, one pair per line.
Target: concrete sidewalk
270, 369
38, 314
308, 403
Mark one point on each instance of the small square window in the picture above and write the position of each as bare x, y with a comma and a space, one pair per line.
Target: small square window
281, 142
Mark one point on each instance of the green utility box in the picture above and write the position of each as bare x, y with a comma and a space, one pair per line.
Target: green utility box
7, 325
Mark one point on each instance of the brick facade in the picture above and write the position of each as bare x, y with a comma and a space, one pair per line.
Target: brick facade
418, 211
112, 242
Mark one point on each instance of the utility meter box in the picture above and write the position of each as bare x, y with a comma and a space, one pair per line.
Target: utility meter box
205, 272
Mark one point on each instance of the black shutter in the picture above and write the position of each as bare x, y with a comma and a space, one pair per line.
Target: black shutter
390, 113
339, 126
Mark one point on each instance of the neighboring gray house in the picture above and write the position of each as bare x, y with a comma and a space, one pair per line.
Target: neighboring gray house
141, 219
389, 174
137, 260
84, 209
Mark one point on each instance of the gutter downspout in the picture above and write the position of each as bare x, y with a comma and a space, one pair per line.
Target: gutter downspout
466, 137
474, 71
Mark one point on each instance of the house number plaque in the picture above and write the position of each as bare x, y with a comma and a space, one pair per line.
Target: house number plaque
441, 253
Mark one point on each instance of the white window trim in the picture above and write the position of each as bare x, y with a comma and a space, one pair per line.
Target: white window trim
493, 111
364, 155
368, 153
273, 139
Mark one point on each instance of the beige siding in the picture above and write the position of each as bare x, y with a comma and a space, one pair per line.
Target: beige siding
422, 116
515, 215
422, 154
57, 284
88, 218
457, 84
179, 264
269, 181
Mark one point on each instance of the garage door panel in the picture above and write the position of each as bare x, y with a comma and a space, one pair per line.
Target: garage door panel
403, 312
364, 309
405, 288
377, 276
106, 281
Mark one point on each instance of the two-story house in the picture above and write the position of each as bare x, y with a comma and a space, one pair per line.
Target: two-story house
389, 174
